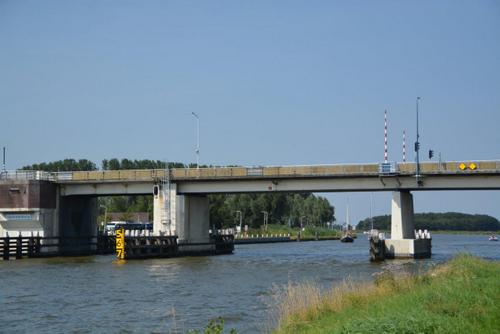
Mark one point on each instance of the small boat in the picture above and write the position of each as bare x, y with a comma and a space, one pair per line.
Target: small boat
493, 238
347, 238
347, 235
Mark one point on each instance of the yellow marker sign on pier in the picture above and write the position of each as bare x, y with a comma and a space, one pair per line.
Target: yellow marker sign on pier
120, 244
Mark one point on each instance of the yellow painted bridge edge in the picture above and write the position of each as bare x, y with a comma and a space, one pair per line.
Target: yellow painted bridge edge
288, 171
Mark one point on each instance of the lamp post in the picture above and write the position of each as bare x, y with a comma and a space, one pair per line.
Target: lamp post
417, 149
3, 165
105, 216
302, 222
266, 216
238, 212
197, 139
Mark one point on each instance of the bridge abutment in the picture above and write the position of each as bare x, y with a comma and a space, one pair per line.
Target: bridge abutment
34, 208
403, 243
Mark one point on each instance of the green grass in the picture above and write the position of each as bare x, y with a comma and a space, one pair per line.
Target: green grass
462, 296
310, 231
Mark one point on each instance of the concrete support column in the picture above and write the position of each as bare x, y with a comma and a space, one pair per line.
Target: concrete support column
193, 217
402, 243
189, 218
163, 222
402, 226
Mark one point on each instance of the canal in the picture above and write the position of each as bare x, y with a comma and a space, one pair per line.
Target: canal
101, 295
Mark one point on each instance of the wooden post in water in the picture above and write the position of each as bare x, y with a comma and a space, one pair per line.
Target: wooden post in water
31, 246
19, 247
38, 244
6, 247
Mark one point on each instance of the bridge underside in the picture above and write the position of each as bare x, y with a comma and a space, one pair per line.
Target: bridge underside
353, 184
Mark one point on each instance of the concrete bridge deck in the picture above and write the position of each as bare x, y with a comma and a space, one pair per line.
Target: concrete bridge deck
306, 171
467, 175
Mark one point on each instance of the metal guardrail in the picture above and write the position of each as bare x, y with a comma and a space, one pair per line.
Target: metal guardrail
26, 175
375, 169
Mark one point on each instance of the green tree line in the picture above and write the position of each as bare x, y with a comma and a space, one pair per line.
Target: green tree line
281, 208
65, 165
290, 209
452, 221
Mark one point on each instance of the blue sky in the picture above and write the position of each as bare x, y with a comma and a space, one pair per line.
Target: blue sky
274, 83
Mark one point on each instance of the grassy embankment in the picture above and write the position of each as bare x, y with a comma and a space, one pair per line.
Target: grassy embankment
462, 296
309, 232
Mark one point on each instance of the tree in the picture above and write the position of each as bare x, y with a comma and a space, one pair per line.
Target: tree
453, 221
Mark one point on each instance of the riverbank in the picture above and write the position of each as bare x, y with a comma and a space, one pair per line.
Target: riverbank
487, 233
462, 296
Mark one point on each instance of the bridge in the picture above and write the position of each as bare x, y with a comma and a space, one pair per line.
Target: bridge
64, 203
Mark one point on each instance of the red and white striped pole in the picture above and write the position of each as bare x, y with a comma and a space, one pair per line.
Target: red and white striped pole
404, 145
385, 137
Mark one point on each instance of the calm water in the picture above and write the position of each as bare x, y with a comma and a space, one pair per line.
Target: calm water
99, 295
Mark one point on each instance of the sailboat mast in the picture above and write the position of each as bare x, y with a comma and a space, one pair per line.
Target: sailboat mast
347, 216
371, 209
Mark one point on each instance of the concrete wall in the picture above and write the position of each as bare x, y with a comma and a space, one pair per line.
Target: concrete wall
28, 208
189, 216
402, 226
161, 225
193, 219
408, 248
27, 194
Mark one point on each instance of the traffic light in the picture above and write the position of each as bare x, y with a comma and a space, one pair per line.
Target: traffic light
417, 146
431, 154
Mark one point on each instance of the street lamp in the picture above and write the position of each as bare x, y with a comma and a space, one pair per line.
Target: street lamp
417, 149
197, 139
105, 216
301, 222
238, 212
266, 216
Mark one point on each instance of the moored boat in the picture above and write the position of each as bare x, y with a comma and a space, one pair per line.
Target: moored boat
347, 234
493, 238
347, 238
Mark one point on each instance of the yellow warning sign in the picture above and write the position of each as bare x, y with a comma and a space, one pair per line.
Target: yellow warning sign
472, 166
120, 243
462, 166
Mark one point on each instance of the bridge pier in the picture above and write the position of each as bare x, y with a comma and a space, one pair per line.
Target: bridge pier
189, 219
403, 243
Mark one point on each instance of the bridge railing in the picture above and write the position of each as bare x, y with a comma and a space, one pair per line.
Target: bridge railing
26, 175
340, 170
